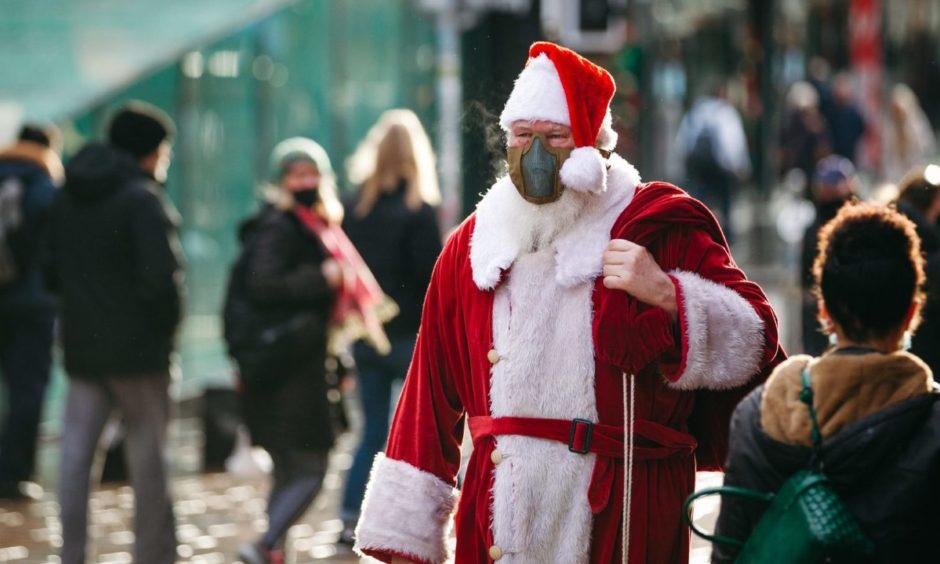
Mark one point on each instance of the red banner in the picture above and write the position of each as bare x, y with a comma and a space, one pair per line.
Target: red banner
865, 45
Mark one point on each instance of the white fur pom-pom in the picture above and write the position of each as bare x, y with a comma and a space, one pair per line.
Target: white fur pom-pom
584, 171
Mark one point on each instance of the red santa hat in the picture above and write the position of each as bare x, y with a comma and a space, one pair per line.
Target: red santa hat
561, 86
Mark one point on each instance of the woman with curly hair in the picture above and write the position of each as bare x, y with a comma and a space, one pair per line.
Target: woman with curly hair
876, 404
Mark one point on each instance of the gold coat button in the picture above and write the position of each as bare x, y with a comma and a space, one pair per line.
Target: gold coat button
496, 456
492, 356
496, 552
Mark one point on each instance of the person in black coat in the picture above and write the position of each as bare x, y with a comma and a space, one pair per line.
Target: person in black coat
876, 404
835, 184
393, 224
30, 171
284, 286
113, 260
919, 200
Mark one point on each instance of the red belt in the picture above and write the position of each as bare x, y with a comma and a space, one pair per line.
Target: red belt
656, 442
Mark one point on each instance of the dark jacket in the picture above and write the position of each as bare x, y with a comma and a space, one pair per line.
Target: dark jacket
400, 247
884, 465
34, 170
113, 258
287, 408
814, 341
926, 341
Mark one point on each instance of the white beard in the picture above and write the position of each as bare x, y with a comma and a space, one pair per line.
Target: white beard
546, 222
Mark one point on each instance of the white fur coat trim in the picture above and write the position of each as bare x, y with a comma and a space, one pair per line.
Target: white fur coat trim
542, 331
407, 511
579, 250
725, 336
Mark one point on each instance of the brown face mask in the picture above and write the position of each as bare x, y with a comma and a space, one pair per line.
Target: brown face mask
534, 169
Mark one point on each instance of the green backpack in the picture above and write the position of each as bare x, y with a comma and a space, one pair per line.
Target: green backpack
805, 522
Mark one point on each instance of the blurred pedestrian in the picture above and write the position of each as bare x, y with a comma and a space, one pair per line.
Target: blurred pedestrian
394, 225
30, 172
876, 404
834, 185
713, 147
919, 200
804, 135
114, 261
298, 278
844, 118
907, 137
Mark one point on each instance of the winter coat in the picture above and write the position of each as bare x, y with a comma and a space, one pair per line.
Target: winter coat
926, 341
36, 171
512, 333
400, 246
288, 408
880, 421
113, 258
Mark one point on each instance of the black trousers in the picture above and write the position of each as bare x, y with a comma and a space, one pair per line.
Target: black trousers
25, 361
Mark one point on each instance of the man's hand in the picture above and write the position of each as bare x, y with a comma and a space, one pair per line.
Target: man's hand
631, 268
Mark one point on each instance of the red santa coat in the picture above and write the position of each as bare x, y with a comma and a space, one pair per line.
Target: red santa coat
511, 333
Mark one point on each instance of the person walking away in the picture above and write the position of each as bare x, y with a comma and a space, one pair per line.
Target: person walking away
845, 120
908, 137
113, 260
297, 280
30, 173
804, 135
394, 225
712, 144
835, 184
876, 405
919, 200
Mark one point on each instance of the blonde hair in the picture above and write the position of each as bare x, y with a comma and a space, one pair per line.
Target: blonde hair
396, 148
300, 149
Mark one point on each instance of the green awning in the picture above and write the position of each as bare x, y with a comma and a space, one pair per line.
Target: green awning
59, 57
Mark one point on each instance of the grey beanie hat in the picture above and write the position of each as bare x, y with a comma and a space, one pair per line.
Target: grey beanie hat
298, 149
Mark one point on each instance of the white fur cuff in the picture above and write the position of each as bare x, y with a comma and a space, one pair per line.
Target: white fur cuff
723, 335
584, 171
406, 511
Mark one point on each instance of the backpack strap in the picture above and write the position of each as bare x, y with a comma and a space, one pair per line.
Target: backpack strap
806, 396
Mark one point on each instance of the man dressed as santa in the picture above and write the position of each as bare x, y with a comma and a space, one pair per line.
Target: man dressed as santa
593, 332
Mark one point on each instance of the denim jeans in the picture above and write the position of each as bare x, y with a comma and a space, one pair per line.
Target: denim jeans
376, 376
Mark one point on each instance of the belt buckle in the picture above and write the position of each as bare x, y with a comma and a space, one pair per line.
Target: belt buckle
586, 448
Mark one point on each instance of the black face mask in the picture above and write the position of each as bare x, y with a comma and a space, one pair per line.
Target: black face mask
307, 197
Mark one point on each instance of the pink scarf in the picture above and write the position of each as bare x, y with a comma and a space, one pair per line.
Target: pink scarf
359, 297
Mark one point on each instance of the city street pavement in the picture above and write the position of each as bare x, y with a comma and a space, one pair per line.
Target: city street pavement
215, 514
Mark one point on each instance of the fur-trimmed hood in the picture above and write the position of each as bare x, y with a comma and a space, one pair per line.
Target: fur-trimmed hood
38, 155
847, 388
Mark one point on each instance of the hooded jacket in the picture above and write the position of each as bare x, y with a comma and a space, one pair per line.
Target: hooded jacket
37, 171
113, 259
880, 421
